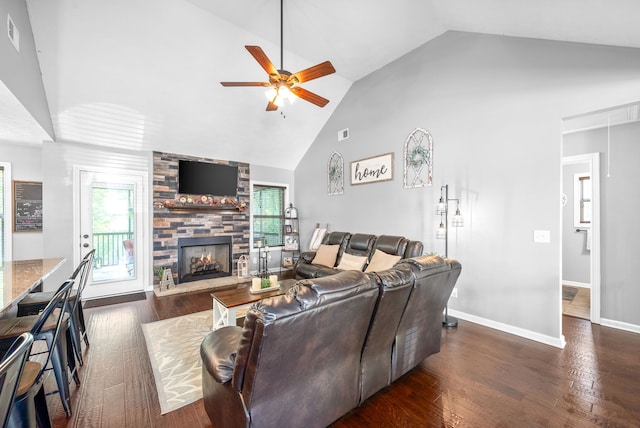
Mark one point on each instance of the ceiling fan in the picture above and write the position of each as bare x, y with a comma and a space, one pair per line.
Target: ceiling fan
282, 83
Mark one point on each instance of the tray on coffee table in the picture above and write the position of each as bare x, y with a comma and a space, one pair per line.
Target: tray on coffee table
264, 290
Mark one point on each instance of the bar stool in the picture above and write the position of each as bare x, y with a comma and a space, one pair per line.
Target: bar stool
33, 303
30, 404
11, 368
58, 350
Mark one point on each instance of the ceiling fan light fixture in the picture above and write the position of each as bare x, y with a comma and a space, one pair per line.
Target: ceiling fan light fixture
286, 94
278, 100
271, 93
279, 95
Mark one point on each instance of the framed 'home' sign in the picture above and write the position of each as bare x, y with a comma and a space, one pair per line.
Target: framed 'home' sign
372, 170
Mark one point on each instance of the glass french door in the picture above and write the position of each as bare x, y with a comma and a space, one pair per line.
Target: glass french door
110, 218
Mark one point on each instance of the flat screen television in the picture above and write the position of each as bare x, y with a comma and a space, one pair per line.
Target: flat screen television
203, 178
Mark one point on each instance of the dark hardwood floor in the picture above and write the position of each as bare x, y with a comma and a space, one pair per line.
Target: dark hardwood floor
481, 378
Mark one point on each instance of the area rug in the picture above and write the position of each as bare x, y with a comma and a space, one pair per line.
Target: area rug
174, 350
568, 293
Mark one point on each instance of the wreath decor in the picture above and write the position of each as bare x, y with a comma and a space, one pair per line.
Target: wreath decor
418, 156
418, 159
335, 174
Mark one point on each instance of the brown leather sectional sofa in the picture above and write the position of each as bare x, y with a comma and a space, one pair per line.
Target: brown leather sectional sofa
306, 358
357, 244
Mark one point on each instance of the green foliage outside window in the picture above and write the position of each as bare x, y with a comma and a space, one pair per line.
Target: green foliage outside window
1, 213
267, 209
112, 210
113, 222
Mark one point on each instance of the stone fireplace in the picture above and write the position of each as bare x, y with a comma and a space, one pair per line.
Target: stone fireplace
204, 258
172, 224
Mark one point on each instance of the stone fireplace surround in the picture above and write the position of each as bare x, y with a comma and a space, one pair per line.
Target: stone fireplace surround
170, 224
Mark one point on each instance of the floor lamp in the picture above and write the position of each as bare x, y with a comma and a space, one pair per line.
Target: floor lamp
442, 209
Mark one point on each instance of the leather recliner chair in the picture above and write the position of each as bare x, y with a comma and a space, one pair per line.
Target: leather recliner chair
420, 329
308, 357
395, 287
293, 350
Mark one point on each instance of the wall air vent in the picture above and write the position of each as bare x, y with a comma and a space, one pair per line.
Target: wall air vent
343, 135
13, 33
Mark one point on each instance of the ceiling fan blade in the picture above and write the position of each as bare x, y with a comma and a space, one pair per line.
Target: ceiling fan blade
244, 83
310, 96
314, 72
262, 59
271, 106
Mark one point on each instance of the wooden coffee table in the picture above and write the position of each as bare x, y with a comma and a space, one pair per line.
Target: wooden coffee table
227, 303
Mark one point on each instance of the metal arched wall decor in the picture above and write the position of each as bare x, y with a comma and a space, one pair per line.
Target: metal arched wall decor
418, 159
335, 174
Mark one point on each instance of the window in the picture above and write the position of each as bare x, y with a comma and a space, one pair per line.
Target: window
2, 213
2, 204
582, 200
267, 211
5, 211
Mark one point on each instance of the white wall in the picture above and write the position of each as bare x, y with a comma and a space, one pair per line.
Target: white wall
26, 165
20, 71
494, 107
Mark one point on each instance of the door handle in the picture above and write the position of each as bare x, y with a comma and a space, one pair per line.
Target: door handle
85, 236
85, 245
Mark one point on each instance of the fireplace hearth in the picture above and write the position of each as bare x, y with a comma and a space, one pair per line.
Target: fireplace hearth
204, 257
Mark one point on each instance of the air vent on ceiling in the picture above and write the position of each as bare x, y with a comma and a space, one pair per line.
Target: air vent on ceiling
13, 33
343, 135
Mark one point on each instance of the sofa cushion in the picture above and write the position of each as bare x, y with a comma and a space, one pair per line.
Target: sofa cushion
310, 293
326, 255
394, 245
337, 238
361, 244
414, 249
350, 262
381, 261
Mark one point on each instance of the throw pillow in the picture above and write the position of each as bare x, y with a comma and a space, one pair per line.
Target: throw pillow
351, 262
326, 255
381, 261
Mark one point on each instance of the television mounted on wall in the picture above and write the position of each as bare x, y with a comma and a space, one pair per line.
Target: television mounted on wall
204, 178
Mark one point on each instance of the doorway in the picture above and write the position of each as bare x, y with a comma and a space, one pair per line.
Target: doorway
580, 227
109, 219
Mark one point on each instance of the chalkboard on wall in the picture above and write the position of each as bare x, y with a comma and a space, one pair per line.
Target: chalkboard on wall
27, 206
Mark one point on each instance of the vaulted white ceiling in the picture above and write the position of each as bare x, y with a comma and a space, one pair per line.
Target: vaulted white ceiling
144, 74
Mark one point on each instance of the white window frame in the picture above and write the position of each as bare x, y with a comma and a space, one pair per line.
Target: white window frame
286, 204
578, 201
8, 207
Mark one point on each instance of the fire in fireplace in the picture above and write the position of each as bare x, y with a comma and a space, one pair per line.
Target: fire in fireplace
204, 265
202, 258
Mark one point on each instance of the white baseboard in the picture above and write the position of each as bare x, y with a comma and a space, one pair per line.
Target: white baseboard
577, 284
620, 325
557, 342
